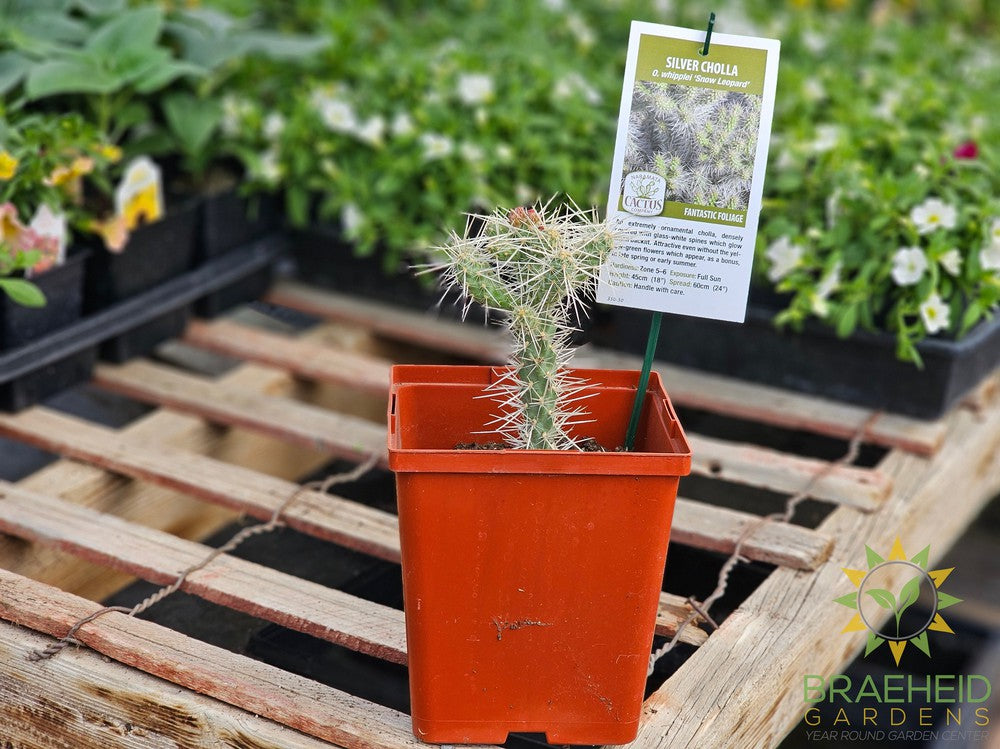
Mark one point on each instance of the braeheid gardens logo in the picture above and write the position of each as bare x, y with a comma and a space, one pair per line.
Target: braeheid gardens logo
893, 585
878, 706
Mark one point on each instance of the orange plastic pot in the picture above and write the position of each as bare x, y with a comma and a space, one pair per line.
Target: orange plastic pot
531, 578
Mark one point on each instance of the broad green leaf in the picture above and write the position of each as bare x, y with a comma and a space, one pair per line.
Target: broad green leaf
68, 77
134, 29
101, 7
191, 119
908, 595
284, 46
883, 598
166, 74
23, 292
13, 67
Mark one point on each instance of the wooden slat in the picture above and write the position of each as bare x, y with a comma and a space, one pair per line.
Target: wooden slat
83, 700
155, 506
702, 390
782, 408
325, 516
718, 529
476, 341
673, 612
286, 419
367, 529
739, 463
229, 581
298, 356
256, 687
752, 465
789, 626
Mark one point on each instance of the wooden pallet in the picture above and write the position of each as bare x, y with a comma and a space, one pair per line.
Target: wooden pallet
131, 500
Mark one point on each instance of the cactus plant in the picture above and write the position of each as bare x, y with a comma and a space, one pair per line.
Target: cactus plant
536, 265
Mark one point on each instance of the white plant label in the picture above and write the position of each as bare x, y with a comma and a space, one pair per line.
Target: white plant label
688, 171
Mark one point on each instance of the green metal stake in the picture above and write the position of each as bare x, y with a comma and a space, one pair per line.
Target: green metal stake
640, 393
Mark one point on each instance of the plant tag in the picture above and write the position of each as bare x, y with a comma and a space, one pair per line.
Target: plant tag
139, 196
688, 171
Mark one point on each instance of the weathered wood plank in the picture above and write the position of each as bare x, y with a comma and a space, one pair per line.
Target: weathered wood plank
349, 523
673, 612
768, 405
752, 465
256, 687
718, 529
155, 506
82, 700
790, 625
740, 463
284, 418
325, 516
298, 356
229, 581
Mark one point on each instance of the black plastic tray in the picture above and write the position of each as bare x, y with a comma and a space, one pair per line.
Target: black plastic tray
130, 328
63, 288
861, 369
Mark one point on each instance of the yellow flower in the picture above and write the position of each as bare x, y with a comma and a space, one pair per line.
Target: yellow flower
8, 165
11, 229
113, 231
109, 151
63, 175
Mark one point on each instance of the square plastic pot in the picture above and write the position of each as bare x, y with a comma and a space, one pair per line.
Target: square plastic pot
531, 578
155, 252
63, 289
231, 220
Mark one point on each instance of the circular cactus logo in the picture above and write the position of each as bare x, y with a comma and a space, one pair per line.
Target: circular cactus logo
643, 193
886, 590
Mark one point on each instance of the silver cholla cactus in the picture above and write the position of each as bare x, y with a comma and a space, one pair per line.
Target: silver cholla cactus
537, 265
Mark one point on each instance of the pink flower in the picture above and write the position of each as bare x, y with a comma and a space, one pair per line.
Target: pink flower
967, 150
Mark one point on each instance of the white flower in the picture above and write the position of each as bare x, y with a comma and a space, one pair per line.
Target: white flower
814, 41
989, 257
402, 125
351, 219
575, 84
784, 256
995, 231
47, 223
269, 167
475, 88
555, 5
273, 126
585, 36
371, 130
471, 152
812, 89
908, 265
932, 214
951, 261
935, 313
436, 146
338, 115
886, 108
234, 109
827, 285
826, 138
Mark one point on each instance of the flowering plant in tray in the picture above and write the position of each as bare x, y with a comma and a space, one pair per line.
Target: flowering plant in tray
882, 209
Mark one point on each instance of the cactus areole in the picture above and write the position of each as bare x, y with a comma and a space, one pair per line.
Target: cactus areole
537, 266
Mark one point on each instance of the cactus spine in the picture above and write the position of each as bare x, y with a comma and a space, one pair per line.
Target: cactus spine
536, 266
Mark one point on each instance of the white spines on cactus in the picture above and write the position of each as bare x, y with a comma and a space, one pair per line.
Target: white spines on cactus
536, 265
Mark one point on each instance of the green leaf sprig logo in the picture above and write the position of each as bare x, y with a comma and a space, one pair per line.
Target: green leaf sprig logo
893, 585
